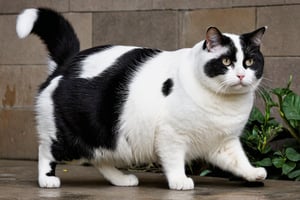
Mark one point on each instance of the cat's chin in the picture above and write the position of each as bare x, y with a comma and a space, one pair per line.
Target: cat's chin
238, 88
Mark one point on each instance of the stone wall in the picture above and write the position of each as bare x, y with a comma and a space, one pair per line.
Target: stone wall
165, 24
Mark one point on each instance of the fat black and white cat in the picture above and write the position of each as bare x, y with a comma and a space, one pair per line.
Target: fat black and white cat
119, 105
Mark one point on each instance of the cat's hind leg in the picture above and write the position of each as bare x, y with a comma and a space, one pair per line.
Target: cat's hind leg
115, 176
46, 167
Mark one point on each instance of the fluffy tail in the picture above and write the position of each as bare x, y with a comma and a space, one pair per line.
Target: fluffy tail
55, 31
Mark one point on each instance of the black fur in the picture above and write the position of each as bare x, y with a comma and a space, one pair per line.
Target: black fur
167, 87
215, 67
251, 50
52, 172
87, 111
57, 34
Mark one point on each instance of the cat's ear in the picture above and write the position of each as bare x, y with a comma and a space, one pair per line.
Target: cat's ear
256, 36
213, 38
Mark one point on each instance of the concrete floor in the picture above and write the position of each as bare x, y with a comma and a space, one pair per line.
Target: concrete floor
18, 180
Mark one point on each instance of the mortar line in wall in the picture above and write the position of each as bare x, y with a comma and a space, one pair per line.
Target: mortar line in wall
256, 17
19, 64
277, 56
17, 108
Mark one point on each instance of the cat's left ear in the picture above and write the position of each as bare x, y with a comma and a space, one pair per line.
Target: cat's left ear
213, 38
256, 36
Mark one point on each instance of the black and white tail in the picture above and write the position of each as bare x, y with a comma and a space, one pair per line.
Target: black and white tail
55, 31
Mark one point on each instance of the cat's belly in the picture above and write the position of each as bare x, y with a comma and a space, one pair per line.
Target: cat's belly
129, 150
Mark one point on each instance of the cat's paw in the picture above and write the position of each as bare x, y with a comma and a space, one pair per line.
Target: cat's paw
126, 180
49, 182
257, 174
183, 183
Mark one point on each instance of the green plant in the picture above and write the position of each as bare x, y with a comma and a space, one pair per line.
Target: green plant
270, 143
289, 109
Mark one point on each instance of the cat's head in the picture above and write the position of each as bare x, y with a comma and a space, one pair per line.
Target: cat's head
232, 64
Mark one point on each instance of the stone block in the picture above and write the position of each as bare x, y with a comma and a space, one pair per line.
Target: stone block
292, 1
82, 23
31, 50
239, 3
278, 71
109, 5
190, 4
16, 6
235, 20
151, 29
19, 84
282, 36
16, 51
17, 134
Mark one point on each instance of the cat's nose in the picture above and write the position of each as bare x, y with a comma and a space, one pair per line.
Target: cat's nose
241, 77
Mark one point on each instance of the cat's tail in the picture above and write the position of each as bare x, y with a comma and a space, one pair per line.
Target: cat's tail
54, 30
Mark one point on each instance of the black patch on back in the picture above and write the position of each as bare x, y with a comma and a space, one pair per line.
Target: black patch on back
251, 50
167, 87
52, 172
73, 68
87, 111
215, 66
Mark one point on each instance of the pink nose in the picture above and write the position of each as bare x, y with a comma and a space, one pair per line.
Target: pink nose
241, 77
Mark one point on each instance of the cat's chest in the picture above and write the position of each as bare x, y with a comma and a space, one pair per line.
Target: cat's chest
211, 114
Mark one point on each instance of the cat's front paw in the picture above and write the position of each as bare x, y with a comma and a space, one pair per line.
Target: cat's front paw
126, 180
49, 182
183, 183
257, 174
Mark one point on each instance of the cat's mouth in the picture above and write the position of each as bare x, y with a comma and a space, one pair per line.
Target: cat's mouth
239, 85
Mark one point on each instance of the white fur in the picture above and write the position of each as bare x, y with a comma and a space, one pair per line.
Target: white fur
47, 133
25, 22
96, 63
52, 65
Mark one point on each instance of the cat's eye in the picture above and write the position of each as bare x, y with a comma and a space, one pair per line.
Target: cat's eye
226, 61
249, 62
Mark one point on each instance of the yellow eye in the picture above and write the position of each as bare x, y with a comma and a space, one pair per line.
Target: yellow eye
249, 62
226, 61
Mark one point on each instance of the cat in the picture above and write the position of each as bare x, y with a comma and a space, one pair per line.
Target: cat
120, 105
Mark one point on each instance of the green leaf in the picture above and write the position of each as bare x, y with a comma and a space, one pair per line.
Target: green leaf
292, 154
278, 162
288, 167
281, 91
267, 98
278, 153
256, 115
291, 106
294, 174
266, 162
205, 172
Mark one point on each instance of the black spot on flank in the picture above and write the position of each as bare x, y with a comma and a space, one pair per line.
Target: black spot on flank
87, 111
52, 172
167, 87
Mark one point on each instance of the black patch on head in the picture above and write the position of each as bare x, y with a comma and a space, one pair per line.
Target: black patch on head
87, 111
167, 87
52, 172
252, 51
215, 66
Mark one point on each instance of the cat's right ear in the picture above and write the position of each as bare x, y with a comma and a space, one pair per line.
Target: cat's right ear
213, 38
